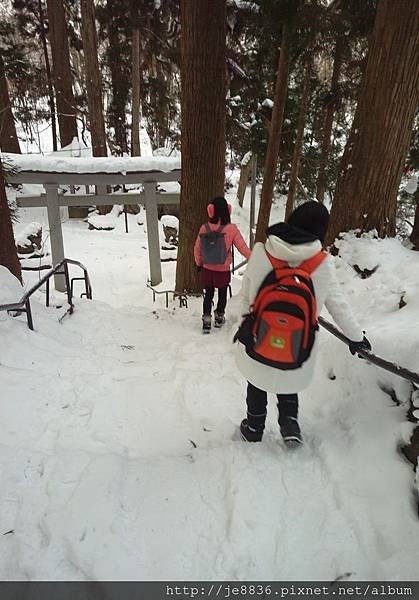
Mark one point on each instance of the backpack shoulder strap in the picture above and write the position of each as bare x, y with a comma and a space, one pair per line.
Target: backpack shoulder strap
276, 263
312, 263
209, 230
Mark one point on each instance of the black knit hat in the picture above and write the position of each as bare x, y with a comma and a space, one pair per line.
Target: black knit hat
312, 217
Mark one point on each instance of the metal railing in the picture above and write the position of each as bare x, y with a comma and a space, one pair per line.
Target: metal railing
24, 305
183, 298
370, 357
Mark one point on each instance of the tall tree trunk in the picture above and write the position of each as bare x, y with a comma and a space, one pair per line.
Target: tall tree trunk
63, 81
93, 85
414, 236
8, 136
49, 76
331, 107
135, 128
61, 71
119, 83
371, 168
8, 252
203, 77
298, 146
274, 141
93, 78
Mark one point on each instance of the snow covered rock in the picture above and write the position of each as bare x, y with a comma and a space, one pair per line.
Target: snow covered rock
170, 228
105, 222
29, 241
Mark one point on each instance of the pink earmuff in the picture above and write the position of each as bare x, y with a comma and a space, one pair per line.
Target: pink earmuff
210, 210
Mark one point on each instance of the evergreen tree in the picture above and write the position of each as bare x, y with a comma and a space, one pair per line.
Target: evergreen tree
136, 79
62, 77
31, 22
305, 92
275, 131
93, 78
114, 33
8, 252
203, 70
367, 187
155, 90
8, 136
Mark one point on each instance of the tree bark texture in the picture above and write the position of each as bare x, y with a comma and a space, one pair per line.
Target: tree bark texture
298, 146
49, 76
203, 77
274, 141
120, 83
8, 252
61, 72
93, 78
372, 163
8, 137
117, 108
332, 103
136, 110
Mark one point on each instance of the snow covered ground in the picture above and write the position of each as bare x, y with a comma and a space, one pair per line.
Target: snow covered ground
117, 459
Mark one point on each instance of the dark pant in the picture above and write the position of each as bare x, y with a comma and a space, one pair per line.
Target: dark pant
222, 299
256, 407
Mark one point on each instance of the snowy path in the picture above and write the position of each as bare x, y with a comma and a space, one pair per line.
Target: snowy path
100, 415
100, 478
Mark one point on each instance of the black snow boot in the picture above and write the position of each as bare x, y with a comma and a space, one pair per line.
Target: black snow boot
206, 323
250, 434
290, 431
219, 319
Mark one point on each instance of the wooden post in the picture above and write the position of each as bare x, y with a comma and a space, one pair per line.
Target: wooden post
245, 174
55, 232
253, 201
152, 221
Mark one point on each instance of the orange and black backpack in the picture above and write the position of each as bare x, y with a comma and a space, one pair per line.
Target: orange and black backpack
281, 327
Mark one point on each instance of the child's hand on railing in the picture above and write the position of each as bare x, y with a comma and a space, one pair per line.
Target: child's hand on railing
355, 347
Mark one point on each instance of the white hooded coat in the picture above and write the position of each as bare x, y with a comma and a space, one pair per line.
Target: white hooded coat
327, 291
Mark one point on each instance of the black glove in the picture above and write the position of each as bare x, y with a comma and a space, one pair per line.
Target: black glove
244, 334
355, 347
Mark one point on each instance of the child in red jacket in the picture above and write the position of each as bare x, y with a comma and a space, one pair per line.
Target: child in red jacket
213, 257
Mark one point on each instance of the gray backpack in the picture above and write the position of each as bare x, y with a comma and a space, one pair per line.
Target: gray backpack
213, 246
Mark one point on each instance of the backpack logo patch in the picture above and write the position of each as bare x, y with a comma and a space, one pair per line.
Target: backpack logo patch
277, 342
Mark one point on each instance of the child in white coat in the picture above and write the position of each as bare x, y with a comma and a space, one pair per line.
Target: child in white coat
294, 242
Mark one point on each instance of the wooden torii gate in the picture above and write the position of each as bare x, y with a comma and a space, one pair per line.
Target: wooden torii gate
53, 198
